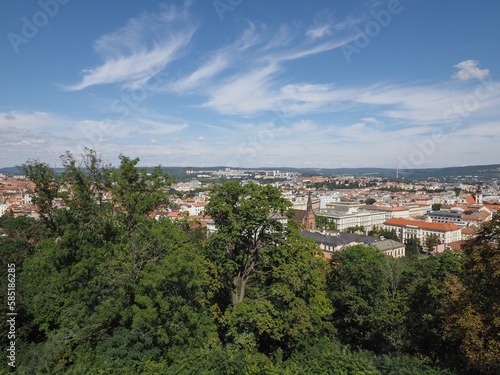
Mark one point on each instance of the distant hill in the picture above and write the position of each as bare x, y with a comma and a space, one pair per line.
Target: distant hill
10, 171
472, 173
467, 173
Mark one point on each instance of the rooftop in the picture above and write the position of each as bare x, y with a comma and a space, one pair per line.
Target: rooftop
443, 227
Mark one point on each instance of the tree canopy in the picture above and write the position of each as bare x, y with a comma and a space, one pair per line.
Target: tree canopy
102, 287
473, 305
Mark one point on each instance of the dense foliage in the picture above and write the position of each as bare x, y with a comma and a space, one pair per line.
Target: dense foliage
103, 288
324, 223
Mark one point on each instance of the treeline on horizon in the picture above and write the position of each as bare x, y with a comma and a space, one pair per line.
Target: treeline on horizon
417, 174
102, 287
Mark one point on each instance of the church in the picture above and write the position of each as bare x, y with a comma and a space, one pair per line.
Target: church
306, 217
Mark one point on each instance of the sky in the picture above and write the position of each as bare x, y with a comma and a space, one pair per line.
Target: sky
252, 83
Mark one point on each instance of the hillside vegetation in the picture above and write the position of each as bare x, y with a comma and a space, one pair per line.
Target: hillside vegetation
103, 288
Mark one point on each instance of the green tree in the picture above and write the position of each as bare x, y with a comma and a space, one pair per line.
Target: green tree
370, 201
365, 287
246, 218
46, 190
324, 222
273, 281
412, 246
386, 233
108, 282
426, 293
436, 206
473, 307
356, 229
432, 241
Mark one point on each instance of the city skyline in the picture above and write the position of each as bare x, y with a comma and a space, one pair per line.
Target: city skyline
242, 83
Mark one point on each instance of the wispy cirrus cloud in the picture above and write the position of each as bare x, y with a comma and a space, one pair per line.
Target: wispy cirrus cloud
431, 103
216, 62
319, 32
257, 87
141, 49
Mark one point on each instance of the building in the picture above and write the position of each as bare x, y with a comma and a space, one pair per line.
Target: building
306, 217
325, 199
445, 217
389, 212
368, 219
477, 218
3, 208
406, 229
331, 241
195, 184
467, 233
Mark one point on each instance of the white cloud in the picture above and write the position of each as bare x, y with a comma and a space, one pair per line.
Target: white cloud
138, 51
212, 67
201, 139
48, 135
216, 62
468, 69
319, 32
281, 39
245, 93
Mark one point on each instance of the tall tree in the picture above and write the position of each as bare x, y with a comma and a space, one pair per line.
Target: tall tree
45, 192
110, 279
273, 281
426, 293
365, 287
412, 246
247, 222
473, 307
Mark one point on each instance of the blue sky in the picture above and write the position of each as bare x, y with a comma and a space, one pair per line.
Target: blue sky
252, 83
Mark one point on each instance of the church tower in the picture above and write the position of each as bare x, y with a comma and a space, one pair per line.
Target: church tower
309, 220
479, 194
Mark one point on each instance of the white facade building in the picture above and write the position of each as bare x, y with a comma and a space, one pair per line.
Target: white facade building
406, 229
369, 220
3, 208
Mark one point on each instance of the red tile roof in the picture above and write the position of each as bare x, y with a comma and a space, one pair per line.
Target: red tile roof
468, 231
443, 227
457, 245
492, 207
470, 199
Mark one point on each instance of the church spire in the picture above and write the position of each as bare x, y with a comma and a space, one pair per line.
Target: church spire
309, 220
309, 203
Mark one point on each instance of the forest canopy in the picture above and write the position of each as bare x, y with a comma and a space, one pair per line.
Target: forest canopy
103, 287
